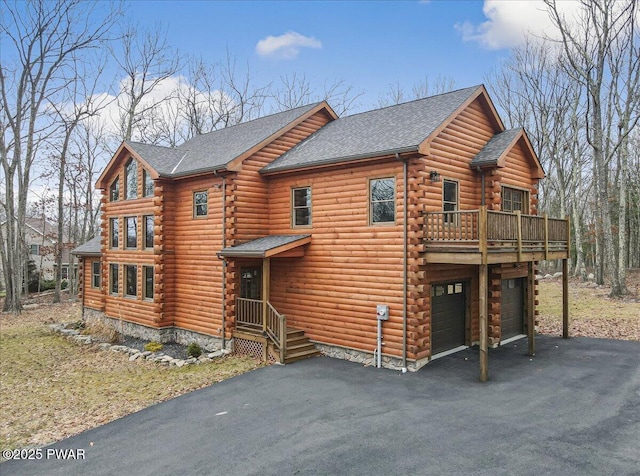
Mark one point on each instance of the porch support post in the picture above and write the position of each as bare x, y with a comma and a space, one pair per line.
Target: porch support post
531, 308
484, 327
266, 280
565, 299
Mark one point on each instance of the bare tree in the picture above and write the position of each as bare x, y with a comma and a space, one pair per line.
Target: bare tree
39, 39
146, 60
396, 93
296, 90
601, 50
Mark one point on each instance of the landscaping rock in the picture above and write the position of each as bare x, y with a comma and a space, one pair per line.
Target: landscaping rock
591, 277
557, 275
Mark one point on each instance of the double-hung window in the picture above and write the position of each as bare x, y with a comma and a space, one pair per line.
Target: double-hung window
131, 229
114, 233
148, 282
148, 231
449, 200
382, 200
131, 280
200, 205
301, 206
113, 278
95, 274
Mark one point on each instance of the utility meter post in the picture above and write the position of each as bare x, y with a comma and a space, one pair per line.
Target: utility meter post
382, 314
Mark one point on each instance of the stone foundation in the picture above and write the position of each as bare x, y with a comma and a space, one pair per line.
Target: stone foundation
162, 335
367, 358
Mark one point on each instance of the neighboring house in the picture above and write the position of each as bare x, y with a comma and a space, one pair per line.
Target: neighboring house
427, 207
40, 240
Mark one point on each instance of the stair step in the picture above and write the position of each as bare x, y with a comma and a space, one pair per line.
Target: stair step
298, 347
305, 354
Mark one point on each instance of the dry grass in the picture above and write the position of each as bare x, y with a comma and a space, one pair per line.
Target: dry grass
592, 313
53, 389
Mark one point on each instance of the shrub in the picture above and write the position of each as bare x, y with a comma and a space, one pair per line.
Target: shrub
194, 350
102, 332
153, 346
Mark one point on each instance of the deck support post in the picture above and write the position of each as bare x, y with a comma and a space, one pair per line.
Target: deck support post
565, 299
266, 280
484, 322
531, 307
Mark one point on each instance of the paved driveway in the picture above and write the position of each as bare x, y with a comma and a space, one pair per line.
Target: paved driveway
572, 409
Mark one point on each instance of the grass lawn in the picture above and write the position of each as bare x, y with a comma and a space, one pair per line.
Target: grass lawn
591, 312
52, 388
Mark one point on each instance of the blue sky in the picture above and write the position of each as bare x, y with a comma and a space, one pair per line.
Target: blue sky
369, 44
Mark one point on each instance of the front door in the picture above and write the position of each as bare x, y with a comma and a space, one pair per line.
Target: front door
251, 282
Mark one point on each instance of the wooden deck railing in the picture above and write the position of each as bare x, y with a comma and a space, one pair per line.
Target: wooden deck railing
250, 314
491, 231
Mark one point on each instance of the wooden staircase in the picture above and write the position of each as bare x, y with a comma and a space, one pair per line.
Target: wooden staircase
298, 346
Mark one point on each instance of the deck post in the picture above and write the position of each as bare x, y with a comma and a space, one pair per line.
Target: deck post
546, 235
483, 277
565, 299
266, 280
531, 306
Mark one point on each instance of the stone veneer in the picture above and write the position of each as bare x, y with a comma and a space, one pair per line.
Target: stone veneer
367, 358
162, 335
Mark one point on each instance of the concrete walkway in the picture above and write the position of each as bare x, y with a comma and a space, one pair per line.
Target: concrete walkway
574, 408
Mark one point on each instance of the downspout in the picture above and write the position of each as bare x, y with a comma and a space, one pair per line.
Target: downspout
224, 260
405, 179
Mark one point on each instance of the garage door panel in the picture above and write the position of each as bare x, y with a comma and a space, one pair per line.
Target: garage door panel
448, 316
512, 308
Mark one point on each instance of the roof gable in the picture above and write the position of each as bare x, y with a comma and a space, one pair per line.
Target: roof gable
400, 128
494, 153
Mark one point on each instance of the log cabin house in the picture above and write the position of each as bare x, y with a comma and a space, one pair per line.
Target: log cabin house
281, 236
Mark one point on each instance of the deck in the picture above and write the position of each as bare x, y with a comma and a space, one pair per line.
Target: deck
490, 237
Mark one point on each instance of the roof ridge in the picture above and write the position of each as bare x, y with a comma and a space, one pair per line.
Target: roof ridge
414, 100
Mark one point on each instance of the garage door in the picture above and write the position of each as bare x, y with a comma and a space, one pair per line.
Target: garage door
448, 316
512, 309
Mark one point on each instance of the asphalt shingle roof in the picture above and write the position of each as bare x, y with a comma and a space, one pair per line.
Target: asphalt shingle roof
493, 150
373, 133
261, 246
213, 151
91, 247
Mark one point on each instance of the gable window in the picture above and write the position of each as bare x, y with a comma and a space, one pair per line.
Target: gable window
301, 206
200, 203
449, 200
114, 190
131, 280
131, 179
95, 274
147, 184
114, 232
148, 231
34, 249
147, 277
382, 200
131, 230
113, 278
514, 199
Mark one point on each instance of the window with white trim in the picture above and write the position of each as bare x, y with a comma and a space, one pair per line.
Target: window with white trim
449, 200
200, 204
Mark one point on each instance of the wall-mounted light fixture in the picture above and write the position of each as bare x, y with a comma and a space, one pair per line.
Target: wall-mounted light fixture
434, 176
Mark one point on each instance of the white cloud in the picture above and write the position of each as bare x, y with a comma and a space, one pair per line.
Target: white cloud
508, 23
286, 46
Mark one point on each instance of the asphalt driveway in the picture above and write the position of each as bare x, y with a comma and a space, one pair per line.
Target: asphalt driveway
574, 408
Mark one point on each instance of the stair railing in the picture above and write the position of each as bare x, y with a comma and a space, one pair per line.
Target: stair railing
276, 330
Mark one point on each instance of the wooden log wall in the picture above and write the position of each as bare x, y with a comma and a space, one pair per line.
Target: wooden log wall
518, 173
349, 267
249, 190
192, 293
93, 297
